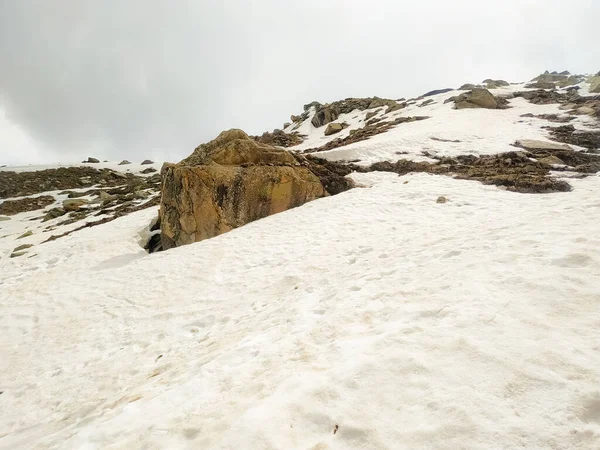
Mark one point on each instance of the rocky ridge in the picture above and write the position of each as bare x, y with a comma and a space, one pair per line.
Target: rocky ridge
94, 196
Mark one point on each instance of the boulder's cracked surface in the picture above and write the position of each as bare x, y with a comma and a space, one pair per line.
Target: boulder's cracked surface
227, 183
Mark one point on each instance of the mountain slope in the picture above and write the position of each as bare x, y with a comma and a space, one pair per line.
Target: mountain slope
380, 318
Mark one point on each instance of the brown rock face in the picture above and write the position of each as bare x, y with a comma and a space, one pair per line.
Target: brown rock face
227, 183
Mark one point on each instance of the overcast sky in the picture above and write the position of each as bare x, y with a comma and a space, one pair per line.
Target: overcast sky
140, 79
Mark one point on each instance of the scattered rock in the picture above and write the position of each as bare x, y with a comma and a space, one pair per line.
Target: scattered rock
550, 77
477, 98
141, 195
586, 110
441, 199
53, 214
551, 160
433, 138
17, 254
146, 162
495, 84
325, 114
571, 80
371, 114
17, 184
92, 160
550, 117
361, 134
22, 247
595, 84
228, 182
543, 97
105, 197
148, 170
74, 204
280, 138
4, 218
124, 162
436, 92
530, 144
569, 135
468, 87
513, 171
12, 207
541, 85
333, 128
26, 234
426, 102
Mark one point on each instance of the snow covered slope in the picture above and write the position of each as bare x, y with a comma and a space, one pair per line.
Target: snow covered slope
373, 319
474, 131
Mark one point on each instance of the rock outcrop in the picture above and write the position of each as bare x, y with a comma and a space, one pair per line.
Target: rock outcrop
595, 84
495, 84
547, 77
325, 114
279, 138
227, 183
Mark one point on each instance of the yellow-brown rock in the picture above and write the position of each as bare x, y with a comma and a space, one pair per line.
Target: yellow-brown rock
227, 183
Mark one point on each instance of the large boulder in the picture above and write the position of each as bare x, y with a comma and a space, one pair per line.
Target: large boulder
595, 85
477, 98
227, 183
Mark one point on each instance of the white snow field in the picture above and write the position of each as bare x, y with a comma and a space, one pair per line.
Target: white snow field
403, 322
373, 319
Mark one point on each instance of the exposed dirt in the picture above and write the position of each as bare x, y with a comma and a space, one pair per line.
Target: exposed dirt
364, 133
514, 171
12, 207
118, 212
17, 184
569, 135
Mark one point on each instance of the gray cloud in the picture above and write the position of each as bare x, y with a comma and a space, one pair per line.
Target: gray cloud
154, 78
